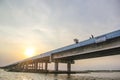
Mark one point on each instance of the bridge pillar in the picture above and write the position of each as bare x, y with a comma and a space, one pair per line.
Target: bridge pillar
69, 67
32, 66
56, 66
42, 65
19, 67
23, 66
26, 66
36, 66
46, 66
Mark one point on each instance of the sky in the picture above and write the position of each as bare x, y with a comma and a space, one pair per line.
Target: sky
50, 24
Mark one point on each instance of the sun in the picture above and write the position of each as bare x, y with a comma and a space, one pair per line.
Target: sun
29, 52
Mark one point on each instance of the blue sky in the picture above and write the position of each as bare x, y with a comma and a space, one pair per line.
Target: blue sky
50, 24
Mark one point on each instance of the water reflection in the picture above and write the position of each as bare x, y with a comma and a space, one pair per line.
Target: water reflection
45, 77
63, 77
37, 76
55, 76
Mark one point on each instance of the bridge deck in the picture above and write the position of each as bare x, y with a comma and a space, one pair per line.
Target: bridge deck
98, 39
104, 45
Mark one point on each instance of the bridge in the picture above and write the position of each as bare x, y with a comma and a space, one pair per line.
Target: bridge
104, 45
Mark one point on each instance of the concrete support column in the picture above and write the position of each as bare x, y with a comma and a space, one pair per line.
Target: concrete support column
32, 66
23, 66
39, 65
36, 65
26, 66
29, 67
42, 65
20, 67
56, 66
46, 66
69, 67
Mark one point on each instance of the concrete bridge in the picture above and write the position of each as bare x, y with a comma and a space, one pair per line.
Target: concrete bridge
104, 45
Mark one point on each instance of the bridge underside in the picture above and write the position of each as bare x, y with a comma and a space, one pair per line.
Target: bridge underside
107, 48
108, 52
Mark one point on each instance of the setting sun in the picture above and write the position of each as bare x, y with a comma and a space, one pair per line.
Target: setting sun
30, 52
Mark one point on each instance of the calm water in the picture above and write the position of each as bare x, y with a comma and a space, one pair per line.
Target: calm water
36, 76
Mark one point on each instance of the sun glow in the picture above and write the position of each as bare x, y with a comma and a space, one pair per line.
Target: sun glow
30, 52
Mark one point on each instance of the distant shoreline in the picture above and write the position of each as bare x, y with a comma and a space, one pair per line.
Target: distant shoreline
102, 70
73, 71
